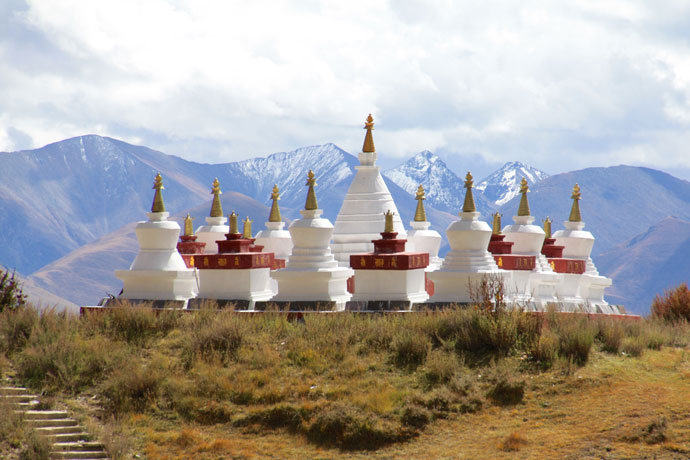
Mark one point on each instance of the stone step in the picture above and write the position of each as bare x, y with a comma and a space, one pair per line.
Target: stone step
44, 414
78, 454
78, 446
13, 391
58, 422
53, 430
25, 405
68, 437
22, 398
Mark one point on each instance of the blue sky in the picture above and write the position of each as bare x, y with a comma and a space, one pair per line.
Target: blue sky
558, 86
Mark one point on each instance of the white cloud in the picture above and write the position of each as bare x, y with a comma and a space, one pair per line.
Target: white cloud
557, 85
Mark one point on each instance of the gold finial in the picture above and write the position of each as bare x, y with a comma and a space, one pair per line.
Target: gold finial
233, 223
420, 213
216, 207
496, 230
311, 203
389, 222
468, 205
158, 205
547, 227
275, 210
247, 228
188, 226
575, 210
523, 208
369, 138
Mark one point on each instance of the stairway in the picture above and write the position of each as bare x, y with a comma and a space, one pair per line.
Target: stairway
68, 439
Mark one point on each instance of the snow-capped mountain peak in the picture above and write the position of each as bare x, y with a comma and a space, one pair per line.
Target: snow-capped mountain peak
504, 184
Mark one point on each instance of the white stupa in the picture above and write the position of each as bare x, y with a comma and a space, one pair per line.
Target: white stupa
312, 275
421, 238
158, 271
215, 228
275, 238
361, 215
468, 261
531, 289
578, 245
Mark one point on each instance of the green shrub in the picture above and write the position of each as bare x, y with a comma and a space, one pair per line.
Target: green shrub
12, 428
415, 417
506, 389
36, 447
11, 294
610, 335
545, 351
633, 346
220, 339
440, 368
575, 339
283, 416
409, 349
132, 388
674, 305
16, 326
345, 427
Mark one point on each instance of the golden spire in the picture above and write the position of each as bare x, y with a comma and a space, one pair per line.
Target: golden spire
547, 227
188, 226
247, 228
368, 138
389, 222
216, 207
275, 210
575, 210
233, 223
420, 213
311, 203
523, 209
468, 205
496, 230
158, 205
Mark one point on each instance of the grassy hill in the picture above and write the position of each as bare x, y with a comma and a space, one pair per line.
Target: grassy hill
456, 384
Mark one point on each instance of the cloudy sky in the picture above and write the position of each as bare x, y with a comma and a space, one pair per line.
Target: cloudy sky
559, 87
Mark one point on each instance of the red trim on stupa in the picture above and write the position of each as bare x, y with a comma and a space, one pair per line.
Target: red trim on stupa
389, 254
235, 261
189, 245
235, 243
429, 285
278, 264
551, 250
498, 246
515, 262
573, 266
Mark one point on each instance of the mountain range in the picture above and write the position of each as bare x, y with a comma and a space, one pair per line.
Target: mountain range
69, 207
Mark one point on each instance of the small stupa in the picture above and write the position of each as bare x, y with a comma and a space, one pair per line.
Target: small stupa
368, 198
578, 244
533, 284
389, 278
215, 228
468, 260
421, 238
158, 272
189, 247
312, 278
238, 274
275, 238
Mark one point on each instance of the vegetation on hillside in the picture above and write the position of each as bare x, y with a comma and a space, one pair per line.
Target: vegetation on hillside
214, 383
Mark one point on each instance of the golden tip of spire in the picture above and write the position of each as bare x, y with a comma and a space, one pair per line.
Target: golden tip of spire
468, 180
468, 205
524, 187
523, 208
188, 225
369, 138
496, 228
420, 212
575, 215
232, 217
216, 206
158, 205
389, 221
547, 227
247, 228
311, 203
274, 216
215, 183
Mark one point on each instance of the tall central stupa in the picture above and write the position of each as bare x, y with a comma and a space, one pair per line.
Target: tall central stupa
361, 216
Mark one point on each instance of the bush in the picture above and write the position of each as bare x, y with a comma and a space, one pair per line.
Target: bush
16, 327
545, 350
513, 442
11, 294
575, 339
415, 417
440, 368
409, 349
506, 389
611, 335
674, 305
344, 427
283, 416
633, 346
36, 448
132, 388
11, 425
220, 339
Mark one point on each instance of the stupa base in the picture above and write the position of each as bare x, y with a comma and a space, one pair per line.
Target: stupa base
390, 285
157, 284
250, 284
321, 286
462, 287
